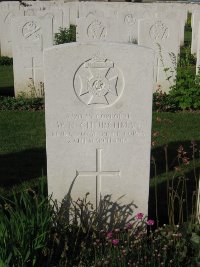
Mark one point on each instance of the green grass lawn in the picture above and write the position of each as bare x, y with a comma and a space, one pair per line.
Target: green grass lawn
6, 80
188, 35
22, 146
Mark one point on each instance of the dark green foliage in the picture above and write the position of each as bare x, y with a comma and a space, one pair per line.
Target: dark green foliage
189, 19
6, 80
6, 61
21, 103
186, 91
164, 102
33, 233
65, 35
24, 225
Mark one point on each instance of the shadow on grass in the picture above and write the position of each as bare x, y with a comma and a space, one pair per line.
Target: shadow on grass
162, 201
22, 166
159, 155
7, 91
162, 187
31, 164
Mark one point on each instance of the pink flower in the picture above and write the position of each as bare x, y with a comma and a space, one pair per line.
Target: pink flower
115, 242
186, 161
128, 226
109, 235
139, 215
150, 222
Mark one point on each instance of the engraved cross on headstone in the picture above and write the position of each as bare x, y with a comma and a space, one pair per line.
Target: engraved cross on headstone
157, 69
98, 173
33, 69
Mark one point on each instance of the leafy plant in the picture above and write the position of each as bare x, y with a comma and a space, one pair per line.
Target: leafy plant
186, 90
33, 91
24, 223
21, 103
5, 61
34, 233
164, 102
65, 35
189, 19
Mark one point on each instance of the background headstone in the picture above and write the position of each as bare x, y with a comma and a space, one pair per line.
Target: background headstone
7, 12
57, 15
163, 37
30, 35
195, 32
96, 28
198, 51
98, 104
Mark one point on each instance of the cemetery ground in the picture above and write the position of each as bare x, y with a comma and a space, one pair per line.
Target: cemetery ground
34, 234
23, 161
23, 158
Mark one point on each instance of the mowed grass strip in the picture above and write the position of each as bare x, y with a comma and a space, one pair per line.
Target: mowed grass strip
22, 147
6, 76
176, 127
6, 81
21, 130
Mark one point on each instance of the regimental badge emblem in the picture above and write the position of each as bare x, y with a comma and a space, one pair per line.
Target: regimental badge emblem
159, 31
98, 82
97, 30
130, 19
32, 31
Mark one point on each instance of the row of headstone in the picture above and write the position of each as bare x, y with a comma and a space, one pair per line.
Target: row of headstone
26, 29
163, 35
72, 11
110, 22
9, 10
147, 25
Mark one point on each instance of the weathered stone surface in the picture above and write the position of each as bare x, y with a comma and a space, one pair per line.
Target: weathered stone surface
98, 121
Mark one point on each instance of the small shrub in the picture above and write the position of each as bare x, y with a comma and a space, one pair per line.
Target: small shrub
33, 233
189, 20
163, 102
24, 223
6, 61
21, 103
186, 90
65, 35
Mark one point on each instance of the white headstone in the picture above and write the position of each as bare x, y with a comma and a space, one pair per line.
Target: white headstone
170, 11
96, 28
127, 19
7, 12
98, 121
71, 8
163, 37
196, 20
57, 15
30, 35
198, 51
